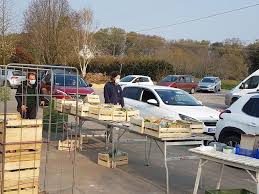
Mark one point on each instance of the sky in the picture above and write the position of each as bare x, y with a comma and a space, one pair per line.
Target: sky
136, 15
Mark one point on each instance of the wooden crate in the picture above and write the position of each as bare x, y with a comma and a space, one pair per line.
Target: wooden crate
20, 154
119, 115
68, 145
82, 110
197, 127
26, 189
105, 159
101, 112
157, 131
61, 102
92, 99
24, 130
132, 113
137, 124
11, 116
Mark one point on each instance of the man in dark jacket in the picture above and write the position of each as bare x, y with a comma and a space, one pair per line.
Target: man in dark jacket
26, 97
113, 91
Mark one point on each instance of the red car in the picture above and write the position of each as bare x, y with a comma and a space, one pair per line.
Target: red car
65, 86
184, 82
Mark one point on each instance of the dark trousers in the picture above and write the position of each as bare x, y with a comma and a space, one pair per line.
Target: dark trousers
31, 113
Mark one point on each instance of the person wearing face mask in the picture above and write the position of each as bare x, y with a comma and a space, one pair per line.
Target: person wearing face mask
113, 91
26, 97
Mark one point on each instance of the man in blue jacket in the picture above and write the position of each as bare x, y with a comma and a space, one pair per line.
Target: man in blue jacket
113, 91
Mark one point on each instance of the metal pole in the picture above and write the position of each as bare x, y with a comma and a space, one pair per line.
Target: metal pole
166, 168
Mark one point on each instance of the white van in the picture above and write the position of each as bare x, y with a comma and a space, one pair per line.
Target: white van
248, 85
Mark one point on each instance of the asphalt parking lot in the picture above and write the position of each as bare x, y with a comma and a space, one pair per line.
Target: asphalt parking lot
57, 170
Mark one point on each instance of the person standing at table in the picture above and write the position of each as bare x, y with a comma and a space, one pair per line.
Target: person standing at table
113, 91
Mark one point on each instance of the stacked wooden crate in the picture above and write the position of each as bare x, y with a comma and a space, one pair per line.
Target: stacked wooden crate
20, 156
83, 107
60, 104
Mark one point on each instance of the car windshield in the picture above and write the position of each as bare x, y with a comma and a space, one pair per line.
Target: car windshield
177, 98
208, 80
170, 78
127, 79
68, 80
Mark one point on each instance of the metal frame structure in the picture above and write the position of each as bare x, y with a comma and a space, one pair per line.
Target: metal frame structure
114, 127
242, 162
36, 67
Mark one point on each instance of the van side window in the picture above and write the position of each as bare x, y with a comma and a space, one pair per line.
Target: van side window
252, 82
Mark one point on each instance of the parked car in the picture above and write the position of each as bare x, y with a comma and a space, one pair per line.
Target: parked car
171, 103
242, 117
136, 80
65, 86
209, 84
248, 85
14, 78
184, 82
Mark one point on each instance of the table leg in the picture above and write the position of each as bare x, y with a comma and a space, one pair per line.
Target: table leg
257, 182
166, 168
197, 181
220, 177
80, 134
113, 147
147, 152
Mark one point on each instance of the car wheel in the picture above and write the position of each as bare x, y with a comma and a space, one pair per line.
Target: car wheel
232, 140
192, 91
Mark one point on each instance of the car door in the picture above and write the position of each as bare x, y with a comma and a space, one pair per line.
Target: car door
251, 85
132, 97
251, 110
181, 83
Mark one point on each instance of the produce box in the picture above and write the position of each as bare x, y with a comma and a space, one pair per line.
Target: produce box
105, 159
68, 145
11, 116
23, 130
83, 110
101, 112
197, 127
119, 114
167, 129
92, 99
132, 113
137, 124
231, 191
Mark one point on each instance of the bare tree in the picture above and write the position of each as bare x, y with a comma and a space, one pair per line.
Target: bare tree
83, 38
7, 46
46, 22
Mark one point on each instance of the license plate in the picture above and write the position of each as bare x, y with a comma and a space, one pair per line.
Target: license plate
211, 130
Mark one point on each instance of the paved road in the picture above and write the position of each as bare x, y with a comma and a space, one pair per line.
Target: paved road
135, 177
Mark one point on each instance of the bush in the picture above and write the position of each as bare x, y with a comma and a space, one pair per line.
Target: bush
152, 67
229, 84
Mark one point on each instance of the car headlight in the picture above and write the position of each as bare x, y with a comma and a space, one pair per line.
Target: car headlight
186, 118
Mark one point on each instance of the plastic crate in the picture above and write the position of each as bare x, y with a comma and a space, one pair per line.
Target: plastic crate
247, 152
230, 191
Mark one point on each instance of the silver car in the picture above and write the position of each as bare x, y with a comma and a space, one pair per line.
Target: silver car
209, 84
14, 77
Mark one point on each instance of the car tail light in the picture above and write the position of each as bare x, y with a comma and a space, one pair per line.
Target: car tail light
14, 77
225, 111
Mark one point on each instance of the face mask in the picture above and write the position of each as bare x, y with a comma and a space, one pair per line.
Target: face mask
117, 81
32, 82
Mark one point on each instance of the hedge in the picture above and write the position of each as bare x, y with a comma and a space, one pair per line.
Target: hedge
152, 67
